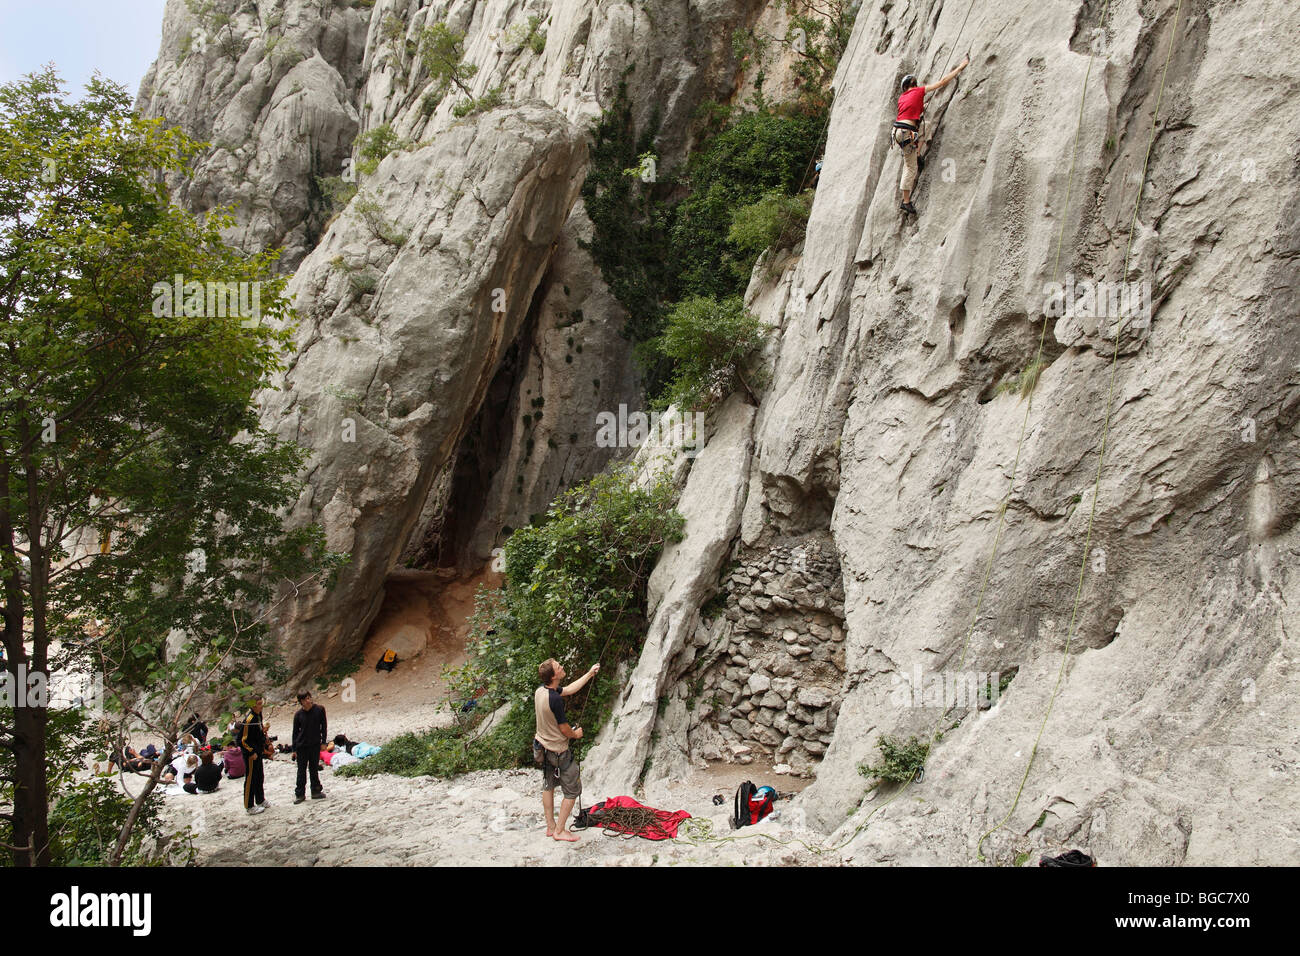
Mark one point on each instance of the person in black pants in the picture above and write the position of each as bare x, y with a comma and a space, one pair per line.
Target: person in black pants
252, 742
207, 778
309, 735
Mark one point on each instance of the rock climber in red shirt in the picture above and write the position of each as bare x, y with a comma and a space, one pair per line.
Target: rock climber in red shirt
907, 128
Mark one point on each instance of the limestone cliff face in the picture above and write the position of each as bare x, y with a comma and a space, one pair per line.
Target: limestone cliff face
272, 87
840, 553
462, 421
1173, 736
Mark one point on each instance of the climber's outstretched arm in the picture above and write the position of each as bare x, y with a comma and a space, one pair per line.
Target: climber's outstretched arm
934, 88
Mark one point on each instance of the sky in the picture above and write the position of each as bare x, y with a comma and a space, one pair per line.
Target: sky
117, 37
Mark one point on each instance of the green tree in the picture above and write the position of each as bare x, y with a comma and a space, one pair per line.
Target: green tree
442, 51
775, 222
712, 345
140, 499
758, 152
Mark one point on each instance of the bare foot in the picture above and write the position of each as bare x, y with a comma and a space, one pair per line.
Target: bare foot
550, 832
566, 836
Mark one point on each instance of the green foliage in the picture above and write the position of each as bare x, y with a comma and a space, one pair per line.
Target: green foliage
712, 346
489, 100
392, 28
119, 414
574, 591
758, 153
451, 751
629, 242
777, 221
336, 192
442, 52
900, 761
371, 212
529, 34
374, 144
826, 26
217, 26
87, 818
68, 745
658, 242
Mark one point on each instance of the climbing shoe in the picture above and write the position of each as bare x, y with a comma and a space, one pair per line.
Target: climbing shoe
907, 207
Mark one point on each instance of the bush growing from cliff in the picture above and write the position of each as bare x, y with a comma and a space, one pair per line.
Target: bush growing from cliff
658, 240
575, 590
374, 144
776, 222
481, 104
900, 760
759, 154
712, 346
442, 53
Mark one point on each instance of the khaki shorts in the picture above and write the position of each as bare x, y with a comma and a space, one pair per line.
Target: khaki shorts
561, 768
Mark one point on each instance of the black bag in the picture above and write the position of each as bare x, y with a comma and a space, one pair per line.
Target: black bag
1070, 858
539, 753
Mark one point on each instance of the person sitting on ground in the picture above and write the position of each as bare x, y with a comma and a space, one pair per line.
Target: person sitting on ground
197, 729
182, 767
907, 133
129, 760
232, 761
206, 777
359, 750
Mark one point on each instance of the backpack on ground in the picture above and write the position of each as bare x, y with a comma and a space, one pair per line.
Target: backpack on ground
752, 804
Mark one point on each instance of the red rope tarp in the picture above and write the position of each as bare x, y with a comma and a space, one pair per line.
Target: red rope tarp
624, 815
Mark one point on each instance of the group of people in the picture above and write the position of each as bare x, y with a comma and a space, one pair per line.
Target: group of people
310, 747
198, 765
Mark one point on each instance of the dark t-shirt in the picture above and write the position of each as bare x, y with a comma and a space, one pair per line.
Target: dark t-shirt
207, 776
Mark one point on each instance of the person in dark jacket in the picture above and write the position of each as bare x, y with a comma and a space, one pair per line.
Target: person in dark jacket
207, 777
197, 729
309, 735
252, 744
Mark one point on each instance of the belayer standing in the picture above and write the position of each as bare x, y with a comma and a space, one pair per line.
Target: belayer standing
252, 744
308, 738
907, 133
551, 745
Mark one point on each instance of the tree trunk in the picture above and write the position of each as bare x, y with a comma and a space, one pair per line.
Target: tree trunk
31, 798
124, 835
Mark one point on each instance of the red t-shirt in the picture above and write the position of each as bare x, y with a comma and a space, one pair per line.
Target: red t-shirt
911, 104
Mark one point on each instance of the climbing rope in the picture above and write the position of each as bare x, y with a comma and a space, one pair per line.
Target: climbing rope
630, 822
1105, 432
